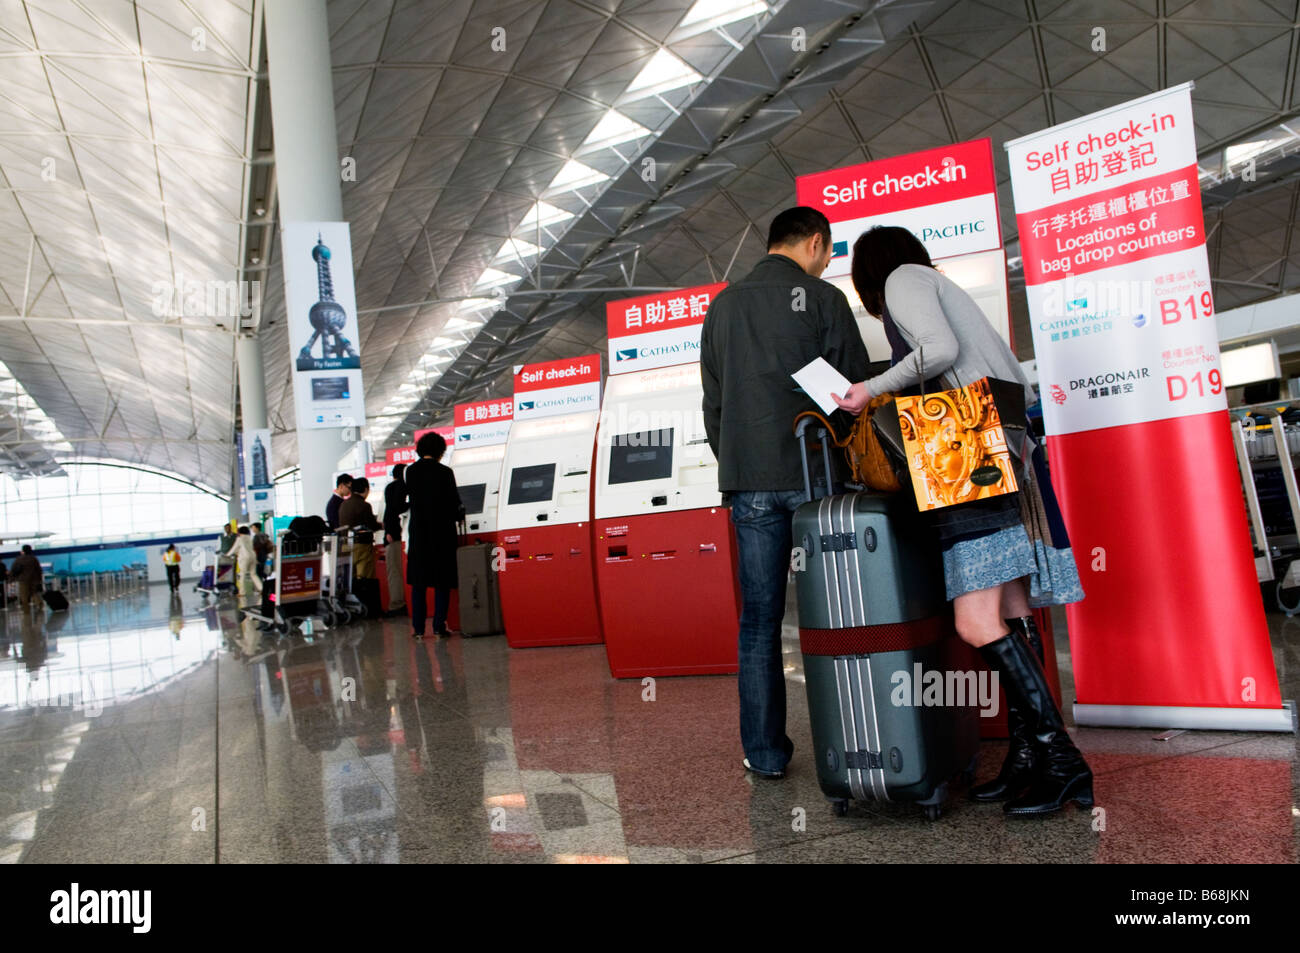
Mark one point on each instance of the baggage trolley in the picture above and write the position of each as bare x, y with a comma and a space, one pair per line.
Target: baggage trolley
296, 590
339, 605
218, 576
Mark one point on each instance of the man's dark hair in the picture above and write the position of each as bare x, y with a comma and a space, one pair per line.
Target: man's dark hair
398, 471
431, 445
257, 526
27, 547
876, 253
360, 485
243, 531
798, 224
345, 479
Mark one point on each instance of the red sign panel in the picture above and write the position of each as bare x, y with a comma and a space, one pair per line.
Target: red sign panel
561, 373
917, 179
485, 411
1112, 227
446, 433
663, 309
299, 579
400, 455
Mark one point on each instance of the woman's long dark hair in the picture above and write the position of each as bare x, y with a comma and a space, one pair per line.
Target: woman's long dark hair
876, 253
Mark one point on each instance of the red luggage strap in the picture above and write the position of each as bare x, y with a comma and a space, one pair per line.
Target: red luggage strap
865, 639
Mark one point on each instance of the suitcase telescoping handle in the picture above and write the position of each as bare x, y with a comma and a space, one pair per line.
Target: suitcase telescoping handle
823, 435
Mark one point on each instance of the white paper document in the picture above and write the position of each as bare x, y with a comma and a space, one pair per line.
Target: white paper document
819, 380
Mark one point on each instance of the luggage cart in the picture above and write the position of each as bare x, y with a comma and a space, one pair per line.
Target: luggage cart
295, 591
1267, 439
217, 577
337, 597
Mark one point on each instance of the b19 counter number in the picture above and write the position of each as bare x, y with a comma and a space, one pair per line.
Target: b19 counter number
1171, 309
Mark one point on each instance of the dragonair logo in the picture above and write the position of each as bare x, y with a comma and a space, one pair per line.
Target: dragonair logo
1058, 394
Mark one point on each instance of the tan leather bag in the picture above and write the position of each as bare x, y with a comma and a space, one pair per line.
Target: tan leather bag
868, 463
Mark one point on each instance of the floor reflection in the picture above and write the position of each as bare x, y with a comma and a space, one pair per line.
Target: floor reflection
163, 727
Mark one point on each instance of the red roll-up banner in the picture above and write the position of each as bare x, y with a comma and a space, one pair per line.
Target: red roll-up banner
1172, 630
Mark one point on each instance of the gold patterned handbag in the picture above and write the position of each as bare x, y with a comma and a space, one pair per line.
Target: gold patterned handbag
962, 444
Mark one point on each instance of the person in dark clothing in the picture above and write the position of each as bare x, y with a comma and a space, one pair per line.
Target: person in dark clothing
27, 570
4, 583
357, 513
395, 504
756, 333
431, 549
342, 490
262, 549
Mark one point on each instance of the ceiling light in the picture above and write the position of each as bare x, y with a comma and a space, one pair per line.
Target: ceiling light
708, 15
573, 176
492, 277
614, 128
548, 213
514, 249
663, 72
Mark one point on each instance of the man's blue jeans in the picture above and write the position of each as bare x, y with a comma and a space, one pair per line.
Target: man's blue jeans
763, 533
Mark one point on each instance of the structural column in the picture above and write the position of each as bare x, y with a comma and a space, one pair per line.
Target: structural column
307, 182
252, 388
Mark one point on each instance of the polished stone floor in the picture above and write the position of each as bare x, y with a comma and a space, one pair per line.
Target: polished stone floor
147, 729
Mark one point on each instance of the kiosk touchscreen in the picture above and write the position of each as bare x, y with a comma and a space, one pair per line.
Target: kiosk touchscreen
548, 587
665, 550
478, 479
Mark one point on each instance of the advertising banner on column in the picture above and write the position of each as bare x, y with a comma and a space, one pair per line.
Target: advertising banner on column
258, 486
484, 423
946, 197
1172, 630
657, 330
320, 300
567, 386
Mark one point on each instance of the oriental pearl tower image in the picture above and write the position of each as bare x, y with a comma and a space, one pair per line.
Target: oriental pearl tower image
327, 320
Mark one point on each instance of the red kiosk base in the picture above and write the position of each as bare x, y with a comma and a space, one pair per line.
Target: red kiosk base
548, 587
669, 595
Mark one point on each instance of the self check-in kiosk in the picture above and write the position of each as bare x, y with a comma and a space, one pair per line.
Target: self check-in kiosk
482, 429
548, 586
665, 548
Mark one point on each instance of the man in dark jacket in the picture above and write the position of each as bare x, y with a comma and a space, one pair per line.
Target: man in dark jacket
431, 549
27, 570
757, 333
395, 504
357, 513
342, 490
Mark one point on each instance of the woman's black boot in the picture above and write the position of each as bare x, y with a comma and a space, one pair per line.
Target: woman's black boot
1062, 774
1018, 767
1027, 627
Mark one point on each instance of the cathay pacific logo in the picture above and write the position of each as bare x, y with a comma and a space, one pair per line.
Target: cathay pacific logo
625, 354
78, 906
525, 405
464, 437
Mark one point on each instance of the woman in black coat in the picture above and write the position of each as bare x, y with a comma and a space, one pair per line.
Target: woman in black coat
431, 534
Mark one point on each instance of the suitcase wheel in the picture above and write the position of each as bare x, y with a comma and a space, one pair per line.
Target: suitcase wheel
840, 807
932, 812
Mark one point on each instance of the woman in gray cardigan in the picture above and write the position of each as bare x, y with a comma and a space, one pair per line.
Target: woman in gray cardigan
992, 568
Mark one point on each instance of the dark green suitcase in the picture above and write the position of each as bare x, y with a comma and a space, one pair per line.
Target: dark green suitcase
871, 606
